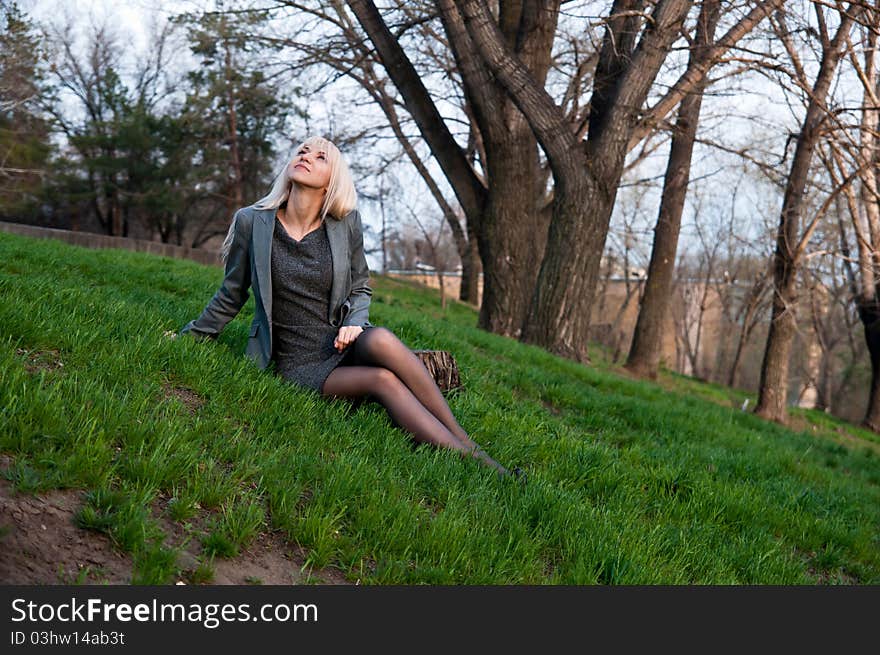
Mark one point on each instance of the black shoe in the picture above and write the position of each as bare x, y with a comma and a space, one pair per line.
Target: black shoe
516, 473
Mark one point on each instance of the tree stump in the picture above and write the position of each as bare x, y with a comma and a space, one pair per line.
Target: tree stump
441, 365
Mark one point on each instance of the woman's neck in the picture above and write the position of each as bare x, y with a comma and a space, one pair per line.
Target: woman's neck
302, 209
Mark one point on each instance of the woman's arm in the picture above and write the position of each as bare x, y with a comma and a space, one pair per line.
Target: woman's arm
359, 298
233, 292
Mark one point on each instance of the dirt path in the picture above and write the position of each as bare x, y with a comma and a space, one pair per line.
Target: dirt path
41, 544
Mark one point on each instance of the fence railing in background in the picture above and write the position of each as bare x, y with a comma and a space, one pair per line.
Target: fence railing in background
93, 240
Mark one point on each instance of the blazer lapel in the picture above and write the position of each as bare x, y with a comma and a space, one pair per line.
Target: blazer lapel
263, 229
337, 234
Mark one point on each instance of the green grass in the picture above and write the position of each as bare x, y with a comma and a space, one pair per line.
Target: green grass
630, 482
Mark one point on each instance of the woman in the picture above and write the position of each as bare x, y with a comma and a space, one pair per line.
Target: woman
301, 251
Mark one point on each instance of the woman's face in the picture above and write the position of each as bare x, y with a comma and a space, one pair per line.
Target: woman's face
310, 167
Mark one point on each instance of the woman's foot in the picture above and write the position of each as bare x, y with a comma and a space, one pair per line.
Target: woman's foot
483, 456
478, 453
516, 474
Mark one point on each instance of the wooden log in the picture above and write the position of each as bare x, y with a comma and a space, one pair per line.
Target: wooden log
441, 365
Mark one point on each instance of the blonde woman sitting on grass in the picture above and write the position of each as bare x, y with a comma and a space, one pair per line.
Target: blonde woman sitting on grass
301, 250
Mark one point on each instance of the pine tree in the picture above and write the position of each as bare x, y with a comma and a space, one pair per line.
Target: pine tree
24, 134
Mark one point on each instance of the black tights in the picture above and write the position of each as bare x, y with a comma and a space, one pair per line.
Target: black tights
381, 366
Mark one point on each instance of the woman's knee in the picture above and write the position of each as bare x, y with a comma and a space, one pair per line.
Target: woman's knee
376, 340
384, 381
360, 381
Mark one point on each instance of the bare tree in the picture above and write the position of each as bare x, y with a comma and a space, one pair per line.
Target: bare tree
644, 354
754, 304
867, 224
106, 106
696, 297
341, 47
502, 200
859, 156
502, 56
625, 262
791, 242
438, 257
586, 174
741, 286
833, 324
94, 82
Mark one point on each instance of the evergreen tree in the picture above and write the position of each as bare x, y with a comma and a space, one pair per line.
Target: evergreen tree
24, 134
235, 114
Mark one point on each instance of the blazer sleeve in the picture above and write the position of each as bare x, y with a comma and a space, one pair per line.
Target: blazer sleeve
361, 293
233, 292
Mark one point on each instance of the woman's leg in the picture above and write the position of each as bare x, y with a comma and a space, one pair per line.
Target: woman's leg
379, 346
403, 407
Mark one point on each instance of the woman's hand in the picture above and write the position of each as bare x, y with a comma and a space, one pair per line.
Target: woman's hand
346, 337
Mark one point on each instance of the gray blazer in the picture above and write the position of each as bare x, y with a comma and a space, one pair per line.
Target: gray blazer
249, 266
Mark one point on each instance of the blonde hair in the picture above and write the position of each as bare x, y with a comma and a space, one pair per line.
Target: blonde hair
339, 200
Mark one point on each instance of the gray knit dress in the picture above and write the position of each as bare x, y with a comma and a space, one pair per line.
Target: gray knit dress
302, 274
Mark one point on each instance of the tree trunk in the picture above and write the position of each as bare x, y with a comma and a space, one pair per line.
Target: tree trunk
471, 267
510, 49
511, 233
585, 176
442, 367
773, 390
500, 210
870, 316
441, 283
559, 316
753, 303
644, 354
741, 342
737, 358
618, 318
116, 209
824, 390
867, 224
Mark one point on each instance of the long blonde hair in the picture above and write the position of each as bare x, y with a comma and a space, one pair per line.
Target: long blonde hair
339, 200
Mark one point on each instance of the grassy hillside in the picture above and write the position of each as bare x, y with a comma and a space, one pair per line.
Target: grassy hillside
629, 482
